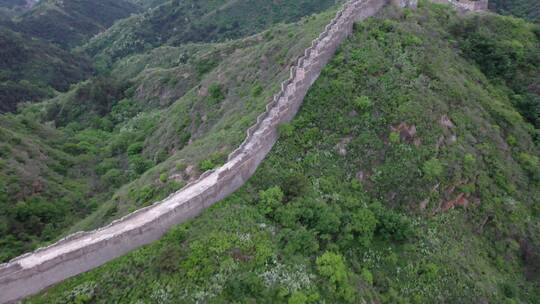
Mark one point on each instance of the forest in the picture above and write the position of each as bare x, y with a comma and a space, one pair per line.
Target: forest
131, 133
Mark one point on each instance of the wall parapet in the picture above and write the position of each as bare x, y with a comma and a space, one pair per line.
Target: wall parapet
82, 251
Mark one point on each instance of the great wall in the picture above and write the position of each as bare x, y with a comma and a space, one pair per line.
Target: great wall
82, 251
466, 5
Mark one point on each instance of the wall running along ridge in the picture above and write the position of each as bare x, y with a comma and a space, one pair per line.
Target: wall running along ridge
82, 251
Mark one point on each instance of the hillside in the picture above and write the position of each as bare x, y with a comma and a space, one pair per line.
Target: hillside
31, 69
15, 7
12, 3
35, 67
69, 23
34, 61
527, 9
178, 22
409, 176
38, 197
154, 123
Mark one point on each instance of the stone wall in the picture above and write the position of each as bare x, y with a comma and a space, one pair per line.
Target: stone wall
466, 5
80, 252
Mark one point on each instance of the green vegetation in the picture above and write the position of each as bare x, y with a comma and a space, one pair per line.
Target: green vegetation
41, 192
506, 49
215, 160
31, 70
11, 8
12, 3
527, 9
69, 23
178, 22
340, 212
36, 42
123, 139
35, 63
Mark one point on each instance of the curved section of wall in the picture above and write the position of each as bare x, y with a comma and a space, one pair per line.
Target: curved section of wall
80, 252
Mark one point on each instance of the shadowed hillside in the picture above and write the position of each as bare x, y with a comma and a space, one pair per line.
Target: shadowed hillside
10, 8
34, 38
528, 9
68, 23
32, 70
177, 22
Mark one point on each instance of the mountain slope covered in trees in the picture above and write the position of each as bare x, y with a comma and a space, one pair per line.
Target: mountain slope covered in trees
408, 176
10, 8
35, 60
41, 31
124, 139
68, 23
32, 70
528, 9
178, 22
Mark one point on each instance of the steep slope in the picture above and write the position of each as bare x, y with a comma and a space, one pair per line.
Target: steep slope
33, 67
12, 3
177, 22
408, 176
148, 126
233, 83
38, 197
528, 9
33, 64
31, 70
506, 49
71, 22
9, 8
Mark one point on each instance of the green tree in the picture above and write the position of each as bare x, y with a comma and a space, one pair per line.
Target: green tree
216, 94
298, 298
138, 164
363, 224
432, 169
298, 241
113, 177
367, 276
295, 185
270, 199
135, 148
331, 266
206, 165
392, 225
363, 104
286, 130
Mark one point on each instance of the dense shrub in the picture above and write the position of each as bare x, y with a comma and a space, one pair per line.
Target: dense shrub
331, 266
216, 94
432, 169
